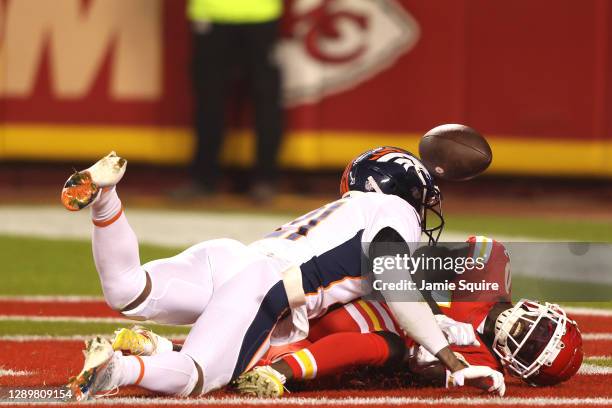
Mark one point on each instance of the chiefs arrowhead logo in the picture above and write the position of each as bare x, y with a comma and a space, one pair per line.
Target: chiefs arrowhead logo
333, 45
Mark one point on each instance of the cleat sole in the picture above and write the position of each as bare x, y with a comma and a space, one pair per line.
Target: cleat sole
84, 187
79, 191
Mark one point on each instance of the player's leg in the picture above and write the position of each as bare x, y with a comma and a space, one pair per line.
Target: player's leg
213, 49
339, 352
173, 290
330, 355
228, 338
367, 330
115, 247
359, 316
182, 286
233, 333
116, 254
265, 76
357, 334
169, 372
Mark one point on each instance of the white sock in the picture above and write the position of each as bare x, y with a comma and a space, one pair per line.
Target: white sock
115, 251
170, 373
107, 206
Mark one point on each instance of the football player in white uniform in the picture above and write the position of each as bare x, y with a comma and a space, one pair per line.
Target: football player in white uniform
236, 296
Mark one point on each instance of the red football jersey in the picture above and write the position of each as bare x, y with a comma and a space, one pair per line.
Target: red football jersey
367, 316
473, 307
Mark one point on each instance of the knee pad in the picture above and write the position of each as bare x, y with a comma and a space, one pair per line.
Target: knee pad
121, 292
397, 348
172, 301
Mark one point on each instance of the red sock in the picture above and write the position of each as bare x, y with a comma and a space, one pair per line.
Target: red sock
336, 353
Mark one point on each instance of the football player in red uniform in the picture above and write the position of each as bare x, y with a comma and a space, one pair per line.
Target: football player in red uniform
536, 342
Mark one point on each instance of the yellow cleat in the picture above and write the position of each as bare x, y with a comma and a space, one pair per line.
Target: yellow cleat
139, 341
262, 381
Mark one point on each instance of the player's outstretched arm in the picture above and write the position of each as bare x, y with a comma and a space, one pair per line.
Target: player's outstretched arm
411, 310
430, 370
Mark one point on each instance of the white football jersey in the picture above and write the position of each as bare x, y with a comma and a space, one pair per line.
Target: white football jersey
328, 244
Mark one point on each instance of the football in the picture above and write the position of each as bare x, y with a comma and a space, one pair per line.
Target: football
455, 152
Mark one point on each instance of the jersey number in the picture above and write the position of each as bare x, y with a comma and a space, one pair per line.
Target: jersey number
300, 227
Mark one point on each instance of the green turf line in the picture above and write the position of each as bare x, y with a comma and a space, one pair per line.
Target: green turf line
17, 328
601, 362
583, 294
569, 230
34, 266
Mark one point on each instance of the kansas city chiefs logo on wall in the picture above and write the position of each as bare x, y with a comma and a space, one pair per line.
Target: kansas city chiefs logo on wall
333, 45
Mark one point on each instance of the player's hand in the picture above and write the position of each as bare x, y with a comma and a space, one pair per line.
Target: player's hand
481, 377
423, 358
461, 334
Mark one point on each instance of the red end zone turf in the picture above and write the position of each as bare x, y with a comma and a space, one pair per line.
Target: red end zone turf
52, 362
28, 362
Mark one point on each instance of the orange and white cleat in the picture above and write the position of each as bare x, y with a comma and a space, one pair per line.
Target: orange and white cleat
83, 188
139, 341
100, 374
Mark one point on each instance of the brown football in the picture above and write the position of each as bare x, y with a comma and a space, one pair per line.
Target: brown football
455, 152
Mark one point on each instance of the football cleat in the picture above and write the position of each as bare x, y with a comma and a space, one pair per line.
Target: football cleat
138, 341
83, 188
99, 376
262, 381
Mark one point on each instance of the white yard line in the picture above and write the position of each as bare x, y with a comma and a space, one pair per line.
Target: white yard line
67, 319
592, 369
588, 311
51, 298
534, 401
597, 336
5, 372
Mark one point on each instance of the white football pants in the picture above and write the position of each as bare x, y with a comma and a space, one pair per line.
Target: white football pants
232, 293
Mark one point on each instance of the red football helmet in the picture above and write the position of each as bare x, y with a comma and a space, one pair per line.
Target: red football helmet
538, 343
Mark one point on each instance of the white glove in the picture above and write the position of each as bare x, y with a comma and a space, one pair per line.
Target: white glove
423, 358
481, 377
461, 334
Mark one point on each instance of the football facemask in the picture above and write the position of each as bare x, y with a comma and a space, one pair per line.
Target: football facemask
538, 343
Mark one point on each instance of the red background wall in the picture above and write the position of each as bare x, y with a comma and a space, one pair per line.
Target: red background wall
529, 75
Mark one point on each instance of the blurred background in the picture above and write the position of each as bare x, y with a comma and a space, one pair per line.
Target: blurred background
79, 78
